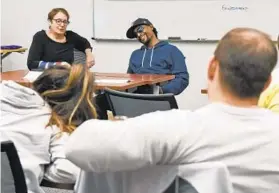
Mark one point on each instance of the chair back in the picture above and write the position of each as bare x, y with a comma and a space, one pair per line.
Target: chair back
12, 176
132, 105
79, 57
54, 187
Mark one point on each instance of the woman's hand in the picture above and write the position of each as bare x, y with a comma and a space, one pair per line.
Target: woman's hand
90, 59
66, 64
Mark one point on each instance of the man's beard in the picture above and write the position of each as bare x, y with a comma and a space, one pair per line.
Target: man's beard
147, 42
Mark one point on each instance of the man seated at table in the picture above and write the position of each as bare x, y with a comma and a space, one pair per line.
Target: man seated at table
231, 130
156, 57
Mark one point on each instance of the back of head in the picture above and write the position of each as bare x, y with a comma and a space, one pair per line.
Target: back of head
246, 59
69, 93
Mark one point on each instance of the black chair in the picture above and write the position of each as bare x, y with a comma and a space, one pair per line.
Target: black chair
52, 187
79, 57
132, 105
12, 176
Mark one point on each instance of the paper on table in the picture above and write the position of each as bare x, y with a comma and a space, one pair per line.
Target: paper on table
111, 81
32, 75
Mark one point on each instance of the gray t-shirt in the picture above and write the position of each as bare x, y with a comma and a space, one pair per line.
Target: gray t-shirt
245, 140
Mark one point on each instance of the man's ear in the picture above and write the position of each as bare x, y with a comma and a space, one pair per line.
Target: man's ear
212, 67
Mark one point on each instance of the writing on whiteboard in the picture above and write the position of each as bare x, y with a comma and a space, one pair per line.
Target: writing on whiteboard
234, 8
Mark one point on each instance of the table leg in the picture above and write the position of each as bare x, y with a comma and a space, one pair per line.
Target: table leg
4, 55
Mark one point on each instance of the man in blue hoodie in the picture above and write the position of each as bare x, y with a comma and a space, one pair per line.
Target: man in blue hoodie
156, 57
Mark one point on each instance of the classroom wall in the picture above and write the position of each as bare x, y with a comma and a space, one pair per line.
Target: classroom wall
21, 19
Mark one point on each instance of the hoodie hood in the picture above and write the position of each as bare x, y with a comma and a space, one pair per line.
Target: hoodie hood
159, 44
20, 102
145, 48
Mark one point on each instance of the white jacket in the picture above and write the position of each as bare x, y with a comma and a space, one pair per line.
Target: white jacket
245, 140
23, 120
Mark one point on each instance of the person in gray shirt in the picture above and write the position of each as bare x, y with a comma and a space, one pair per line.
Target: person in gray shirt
232, 130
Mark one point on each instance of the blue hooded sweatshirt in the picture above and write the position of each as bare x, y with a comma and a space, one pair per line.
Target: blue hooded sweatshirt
163, 58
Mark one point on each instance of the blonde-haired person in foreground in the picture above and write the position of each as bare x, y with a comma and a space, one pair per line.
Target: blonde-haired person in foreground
232, 129
270, 97
33, 120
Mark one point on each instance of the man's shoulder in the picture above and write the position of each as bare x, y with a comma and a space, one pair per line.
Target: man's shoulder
174, 49
137, 51
171, 46
205, 109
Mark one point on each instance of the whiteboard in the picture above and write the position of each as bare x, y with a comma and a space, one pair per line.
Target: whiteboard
187, 19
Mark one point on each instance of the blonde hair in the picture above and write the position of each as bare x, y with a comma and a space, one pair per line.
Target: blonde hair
69, 92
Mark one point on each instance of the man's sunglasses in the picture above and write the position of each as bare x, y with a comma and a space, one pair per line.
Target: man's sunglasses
139, 29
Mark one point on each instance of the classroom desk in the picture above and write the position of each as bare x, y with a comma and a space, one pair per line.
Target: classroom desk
135, 80
6, 52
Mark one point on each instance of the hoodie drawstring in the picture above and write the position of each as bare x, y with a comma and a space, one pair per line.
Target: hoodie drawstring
143, 58
151, 57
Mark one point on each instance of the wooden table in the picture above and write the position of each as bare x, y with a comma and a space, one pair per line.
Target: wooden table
135, 80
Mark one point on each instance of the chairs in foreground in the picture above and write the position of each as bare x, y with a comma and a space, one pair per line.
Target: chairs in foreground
12, 175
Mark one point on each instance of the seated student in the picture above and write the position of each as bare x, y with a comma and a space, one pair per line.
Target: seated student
156, 57
231, 130
35, 125
56, 45
270, 97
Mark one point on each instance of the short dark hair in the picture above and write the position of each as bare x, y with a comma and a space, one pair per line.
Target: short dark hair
54, 11
155, 32
246, 58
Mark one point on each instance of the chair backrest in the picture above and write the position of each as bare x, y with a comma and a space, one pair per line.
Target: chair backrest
12, 176
54, 187
132, 105
79, 57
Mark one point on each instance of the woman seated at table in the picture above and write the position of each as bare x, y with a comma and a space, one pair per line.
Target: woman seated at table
33, 120
56, 46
